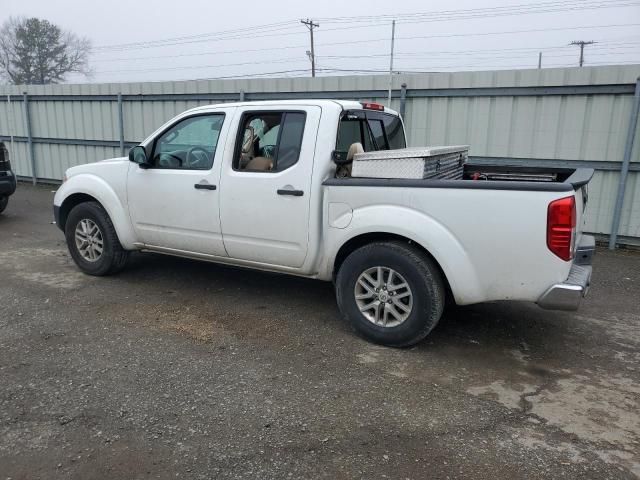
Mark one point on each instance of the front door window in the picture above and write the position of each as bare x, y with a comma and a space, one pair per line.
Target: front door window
190, 144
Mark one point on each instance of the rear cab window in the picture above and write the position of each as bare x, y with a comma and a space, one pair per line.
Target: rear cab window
373, 130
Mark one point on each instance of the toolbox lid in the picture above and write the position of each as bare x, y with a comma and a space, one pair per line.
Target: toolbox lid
415, 152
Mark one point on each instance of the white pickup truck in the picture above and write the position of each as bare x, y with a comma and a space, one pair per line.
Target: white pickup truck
255, 185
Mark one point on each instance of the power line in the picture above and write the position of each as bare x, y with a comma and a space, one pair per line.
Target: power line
287, 47
239, 36
298, 60
191, 67
302, 72
485, 11
275, 29
601, 44
434, 68
429, 54
263, 74
477, 34
491, 56
262, 28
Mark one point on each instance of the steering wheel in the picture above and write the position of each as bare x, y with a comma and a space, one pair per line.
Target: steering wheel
193, 161
168, 160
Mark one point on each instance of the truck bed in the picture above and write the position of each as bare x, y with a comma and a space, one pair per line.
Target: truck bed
488, 177
487, 232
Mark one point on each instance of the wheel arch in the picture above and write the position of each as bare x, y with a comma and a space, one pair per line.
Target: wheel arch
70, 202
91, 188
428, 234
375, 237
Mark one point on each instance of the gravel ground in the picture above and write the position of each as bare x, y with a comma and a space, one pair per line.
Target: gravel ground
179, 369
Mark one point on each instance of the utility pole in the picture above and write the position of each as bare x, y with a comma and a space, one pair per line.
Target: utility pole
539, 60
310, 25
581, 44
393, 38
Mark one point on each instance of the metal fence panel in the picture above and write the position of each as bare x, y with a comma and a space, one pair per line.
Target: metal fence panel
560, 114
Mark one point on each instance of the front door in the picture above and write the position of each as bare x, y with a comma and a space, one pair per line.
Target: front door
266, 187
174, 203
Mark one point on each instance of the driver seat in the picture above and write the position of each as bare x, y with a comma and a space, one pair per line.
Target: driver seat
260, 163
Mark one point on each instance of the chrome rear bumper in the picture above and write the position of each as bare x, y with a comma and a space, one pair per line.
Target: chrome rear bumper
568, 294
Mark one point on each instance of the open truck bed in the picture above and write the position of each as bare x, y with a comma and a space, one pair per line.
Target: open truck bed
489, 177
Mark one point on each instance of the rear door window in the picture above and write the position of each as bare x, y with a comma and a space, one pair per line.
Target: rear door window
269, 141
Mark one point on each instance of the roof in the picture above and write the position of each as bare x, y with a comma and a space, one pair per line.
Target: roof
344, 104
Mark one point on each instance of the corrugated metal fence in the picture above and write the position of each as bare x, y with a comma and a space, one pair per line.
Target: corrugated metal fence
569, 116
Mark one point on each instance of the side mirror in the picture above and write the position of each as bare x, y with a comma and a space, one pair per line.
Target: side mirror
139, 155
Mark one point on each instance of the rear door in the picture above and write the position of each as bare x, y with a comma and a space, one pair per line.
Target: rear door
266, 185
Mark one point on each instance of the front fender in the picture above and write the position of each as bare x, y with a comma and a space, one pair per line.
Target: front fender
421, 229
99, 189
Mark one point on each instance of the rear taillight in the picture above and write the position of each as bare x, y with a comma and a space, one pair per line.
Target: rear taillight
561, 227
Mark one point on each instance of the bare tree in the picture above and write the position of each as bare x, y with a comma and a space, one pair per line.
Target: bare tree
34, 51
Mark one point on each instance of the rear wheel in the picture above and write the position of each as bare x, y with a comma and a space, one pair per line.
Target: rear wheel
92, 240
391, 293
4, 201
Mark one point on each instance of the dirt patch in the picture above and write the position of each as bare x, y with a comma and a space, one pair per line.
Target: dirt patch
28, 264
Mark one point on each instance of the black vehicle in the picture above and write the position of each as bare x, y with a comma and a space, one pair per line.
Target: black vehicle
7, 178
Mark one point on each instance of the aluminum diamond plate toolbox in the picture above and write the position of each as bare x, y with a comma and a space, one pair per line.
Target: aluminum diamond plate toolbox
424, 162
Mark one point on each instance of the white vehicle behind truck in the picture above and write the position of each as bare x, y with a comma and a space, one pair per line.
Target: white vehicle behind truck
268, 186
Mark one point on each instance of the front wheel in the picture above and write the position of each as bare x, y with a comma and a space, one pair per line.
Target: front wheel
391, 293
4, 201
92, 240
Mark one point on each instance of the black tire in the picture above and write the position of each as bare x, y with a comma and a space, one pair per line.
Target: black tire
113, 257
419, 272
4, 201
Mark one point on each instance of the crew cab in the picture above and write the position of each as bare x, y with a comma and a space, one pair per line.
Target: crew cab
7, 178
254, 184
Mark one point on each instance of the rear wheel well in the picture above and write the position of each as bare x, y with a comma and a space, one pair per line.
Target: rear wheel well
367, 238
70, 202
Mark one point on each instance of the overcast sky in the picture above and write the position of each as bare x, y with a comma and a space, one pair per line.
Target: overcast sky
507, 34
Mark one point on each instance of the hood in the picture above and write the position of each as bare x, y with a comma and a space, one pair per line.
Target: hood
102, 166
115, 160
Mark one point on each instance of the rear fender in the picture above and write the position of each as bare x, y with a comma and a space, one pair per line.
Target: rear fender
424, 231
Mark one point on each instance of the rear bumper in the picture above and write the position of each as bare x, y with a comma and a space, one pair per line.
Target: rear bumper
568, 294
7, 183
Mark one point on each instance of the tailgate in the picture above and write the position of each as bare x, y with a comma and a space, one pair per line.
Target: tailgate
579, 180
